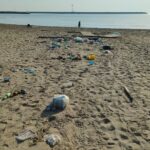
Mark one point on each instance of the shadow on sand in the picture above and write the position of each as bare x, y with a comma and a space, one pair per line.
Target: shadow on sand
50, 114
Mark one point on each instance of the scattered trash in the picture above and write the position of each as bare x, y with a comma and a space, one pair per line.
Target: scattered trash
108, 52
25, 135
52, 139
87, 49
85, 57
6, 96
67, 85
116, 34
106, 47
30, 71
112, 35
79, 40
59, 102
61, 58
94, 39
74, 57
99, 40
91, 42
127, 92
13, 69
12, 94
22, 92
86, 40
59, 40
91, 57
55, 45
6, 79
91, 62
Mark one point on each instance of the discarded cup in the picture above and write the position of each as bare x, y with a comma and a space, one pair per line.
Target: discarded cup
52, 139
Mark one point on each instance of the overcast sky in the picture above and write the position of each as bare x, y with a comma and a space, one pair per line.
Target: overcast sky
78, 5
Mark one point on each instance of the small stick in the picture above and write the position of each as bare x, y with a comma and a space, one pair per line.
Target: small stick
127, 92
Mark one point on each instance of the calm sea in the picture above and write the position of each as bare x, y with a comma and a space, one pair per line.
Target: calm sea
122, 21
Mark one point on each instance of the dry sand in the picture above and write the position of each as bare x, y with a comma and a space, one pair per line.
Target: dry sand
100, 116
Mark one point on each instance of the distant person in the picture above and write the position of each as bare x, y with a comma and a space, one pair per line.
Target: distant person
29, 26
79, 24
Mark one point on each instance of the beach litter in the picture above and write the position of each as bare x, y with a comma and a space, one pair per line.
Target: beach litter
6, 96
59, 40
25, 135
114, 34
87, 49
29, 71
78, 40
91, 42
74, 56
61, 58
59, 102
55, 45
13, 69
67, 85
107, 52
85, 57
6, 79
52, 139
91, 63
96, 39
12, 94
107, 47
91, 57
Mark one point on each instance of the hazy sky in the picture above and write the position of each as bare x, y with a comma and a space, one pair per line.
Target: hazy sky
79, 5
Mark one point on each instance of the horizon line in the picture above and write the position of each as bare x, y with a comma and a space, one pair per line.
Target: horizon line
79, 12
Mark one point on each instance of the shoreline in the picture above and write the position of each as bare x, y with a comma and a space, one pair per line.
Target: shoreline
73, 28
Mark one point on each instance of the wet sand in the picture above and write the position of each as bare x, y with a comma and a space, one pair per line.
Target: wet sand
100, 115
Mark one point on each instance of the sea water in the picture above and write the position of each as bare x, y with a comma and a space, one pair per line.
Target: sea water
121, 21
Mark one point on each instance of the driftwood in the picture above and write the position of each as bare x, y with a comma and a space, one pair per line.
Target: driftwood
82, 36
74, 32
53, 37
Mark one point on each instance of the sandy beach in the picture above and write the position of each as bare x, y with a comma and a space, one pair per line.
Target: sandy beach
100, 115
